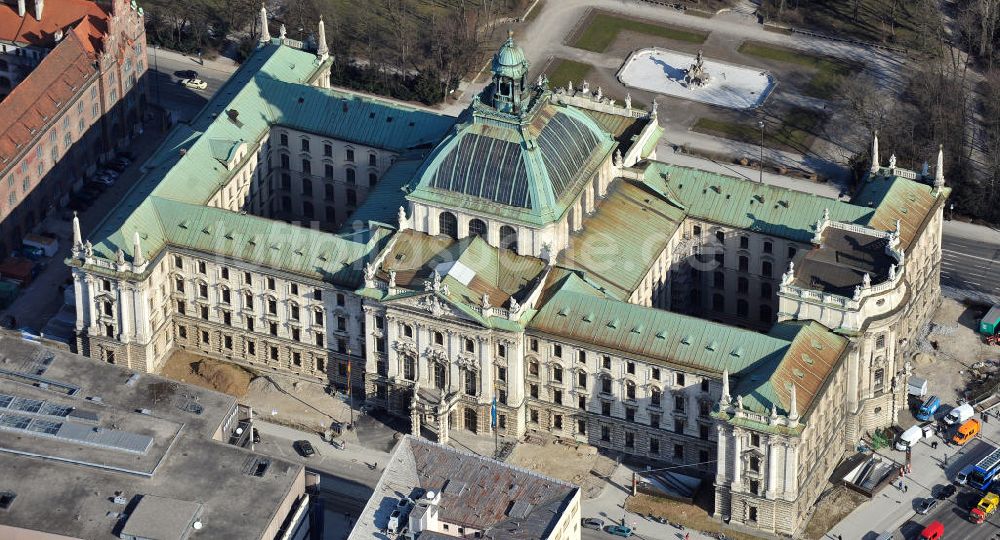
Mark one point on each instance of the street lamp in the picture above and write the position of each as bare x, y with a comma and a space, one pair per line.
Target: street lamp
350, 390
760, 124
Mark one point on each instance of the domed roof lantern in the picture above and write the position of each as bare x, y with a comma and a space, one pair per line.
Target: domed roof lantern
510, 70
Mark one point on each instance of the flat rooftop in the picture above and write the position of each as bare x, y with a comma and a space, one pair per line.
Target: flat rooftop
502, 501
156, 456
840, 263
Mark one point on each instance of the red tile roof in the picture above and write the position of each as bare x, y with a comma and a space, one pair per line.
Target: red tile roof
57, 15
47, 89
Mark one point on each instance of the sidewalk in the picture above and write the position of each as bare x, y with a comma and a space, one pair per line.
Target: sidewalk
220, 64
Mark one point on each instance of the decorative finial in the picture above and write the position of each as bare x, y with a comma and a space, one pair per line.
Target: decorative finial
653, 112
437, 281
857, 292
866, 281
826, 214
618, 158
120, 257
392, 279
88, 249
726, 399
265, 34
793, 408
401, 216
322, 51
369, 274
628, 101
486, 302
892, 161
510, 34
138, 259
939, 171
569, 87
600, 93
514, 305
892, 272
77, 237
282, 31
875, 165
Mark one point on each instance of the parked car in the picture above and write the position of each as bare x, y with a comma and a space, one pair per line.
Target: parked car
196, 84
947, 491
305, 448
934, 531
186, 74
926, 506
619, 530
593, 523
959, 414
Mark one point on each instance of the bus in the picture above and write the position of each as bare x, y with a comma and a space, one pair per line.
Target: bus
985, 470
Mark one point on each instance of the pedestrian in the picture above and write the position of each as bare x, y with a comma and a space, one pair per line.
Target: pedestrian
840, 537
687, 536
906, 488
934, 445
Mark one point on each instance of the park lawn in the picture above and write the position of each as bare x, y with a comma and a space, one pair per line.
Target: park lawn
914, 23
602, 29
830, 72
795, 134
562, 71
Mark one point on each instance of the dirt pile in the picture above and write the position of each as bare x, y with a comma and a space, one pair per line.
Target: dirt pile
225, 378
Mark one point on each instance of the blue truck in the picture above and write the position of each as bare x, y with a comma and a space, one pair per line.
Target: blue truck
927, 410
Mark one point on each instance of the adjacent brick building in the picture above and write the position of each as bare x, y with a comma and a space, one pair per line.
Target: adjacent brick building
72, 93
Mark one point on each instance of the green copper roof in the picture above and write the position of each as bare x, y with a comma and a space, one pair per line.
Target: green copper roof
269, 89
762, 208
762, 366
337, 259
895, 197
383, 202
619, 244
656, 335
528, 172
509, 61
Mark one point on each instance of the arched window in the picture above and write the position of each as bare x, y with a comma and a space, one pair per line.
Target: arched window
605, 384
744, 263
307, 166
440, 375
718, 302
448, 225
719, 280
765, 313
307, 187
409, 368
765, 290
307, 209
508, 238
372, 179
477, 228
765, 268
629, 390
742, 307
742, 285
351, 176
655, 396
328, 192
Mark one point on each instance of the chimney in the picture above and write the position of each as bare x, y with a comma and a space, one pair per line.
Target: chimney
39, 6
20, 8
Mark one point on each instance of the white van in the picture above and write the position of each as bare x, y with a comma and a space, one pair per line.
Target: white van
909, 438
963, 475
960, 414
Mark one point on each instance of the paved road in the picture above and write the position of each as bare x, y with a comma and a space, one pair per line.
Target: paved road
183, 102
970, 264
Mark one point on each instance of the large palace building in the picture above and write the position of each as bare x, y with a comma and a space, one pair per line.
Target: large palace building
72, 92
533, 251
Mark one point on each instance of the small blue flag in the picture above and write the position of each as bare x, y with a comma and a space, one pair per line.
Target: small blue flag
493, 412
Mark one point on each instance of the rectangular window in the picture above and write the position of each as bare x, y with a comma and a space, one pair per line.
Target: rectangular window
678, 451
248, 278
557, 351
534, 345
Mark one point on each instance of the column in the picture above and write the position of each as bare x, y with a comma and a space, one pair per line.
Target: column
486, 351
82, 311
722, 465
791, 473
443, 427
392, 357
737, 480
423, 373
124, 312
414, 419
772, 469
91, 306
141, 317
